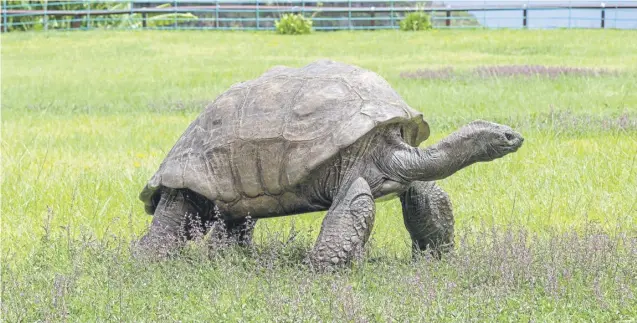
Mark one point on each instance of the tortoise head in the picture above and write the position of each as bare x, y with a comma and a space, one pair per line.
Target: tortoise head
489, 140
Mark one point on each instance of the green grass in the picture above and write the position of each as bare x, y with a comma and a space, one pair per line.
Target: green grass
88, 116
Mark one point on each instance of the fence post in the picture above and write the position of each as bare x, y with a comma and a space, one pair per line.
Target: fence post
373, 15
88, 16
603, 15
175, 14
448, 20
570, 14
5, 28
349, 14
391, 13
256, 13
46, 17
216, 14
524, 15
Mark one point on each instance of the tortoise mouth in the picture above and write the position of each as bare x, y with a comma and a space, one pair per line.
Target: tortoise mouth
513, 145
516, 140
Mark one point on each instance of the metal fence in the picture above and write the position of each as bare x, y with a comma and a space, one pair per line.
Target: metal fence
331, 15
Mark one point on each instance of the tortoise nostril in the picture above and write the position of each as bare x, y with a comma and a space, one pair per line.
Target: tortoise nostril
509, 136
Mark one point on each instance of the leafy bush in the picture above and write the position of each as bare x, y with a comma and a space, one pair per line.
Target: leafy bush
416, 21
290, 24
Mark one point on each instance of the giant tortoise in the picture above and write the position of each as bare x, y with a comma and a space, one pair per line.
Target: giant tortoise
326, 136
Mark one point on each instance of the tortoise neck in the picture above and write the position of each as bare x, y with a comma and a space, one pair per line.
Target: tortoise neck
435, 162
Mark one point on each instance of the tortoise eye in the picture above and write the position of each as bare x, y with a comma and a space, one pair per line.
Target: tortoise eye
509, 136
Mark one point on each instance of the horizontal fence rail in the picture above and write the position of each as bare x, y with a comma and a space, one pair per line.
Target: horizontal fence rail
331, 15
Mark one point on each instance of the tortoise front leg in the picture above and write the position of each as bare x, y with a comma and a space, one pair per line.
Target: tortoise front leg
180, 216
428, 216
346, 227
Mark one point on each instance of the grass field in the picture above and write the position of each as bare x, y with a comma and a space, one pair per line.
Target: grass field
546, 234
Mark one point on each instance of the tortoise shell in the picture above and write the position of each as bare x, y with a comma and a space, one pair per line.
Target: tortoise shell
266, 135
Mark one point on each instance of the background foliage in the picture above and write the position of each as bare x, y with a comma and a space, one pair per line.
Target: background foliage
416, 21
290, 24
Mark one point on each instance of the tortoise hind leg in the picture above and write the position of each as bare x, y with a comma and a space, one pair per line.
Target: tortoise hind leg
428, 216
181, 215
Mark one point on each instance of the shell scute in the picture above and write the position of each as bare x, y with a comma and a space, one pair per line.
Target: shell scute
316, 111
264, 111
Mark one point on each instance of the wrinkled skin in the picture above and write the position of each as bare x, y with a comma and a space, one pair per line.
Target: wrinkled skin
378, 165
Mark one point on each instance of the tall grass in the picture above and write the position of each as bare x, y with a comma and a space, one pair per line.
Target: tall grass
548, 233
